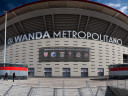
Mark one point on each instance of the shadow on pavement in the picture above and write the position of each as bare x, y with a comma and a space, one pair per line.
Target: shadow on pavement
99, 78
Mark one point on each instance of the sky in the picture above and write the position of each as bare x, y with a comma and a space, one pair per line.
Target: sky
6, 5
121, 5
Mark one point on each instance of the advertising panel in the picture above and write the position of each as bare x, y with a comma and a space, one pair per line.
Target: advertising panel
66, 54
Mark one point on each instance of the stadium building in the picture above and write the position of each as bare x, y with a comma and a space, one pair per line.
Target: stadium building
65, 38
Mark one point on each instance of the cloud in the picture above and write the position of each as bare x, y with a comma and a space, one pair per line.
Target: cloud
121, 7
114, 5
124, 9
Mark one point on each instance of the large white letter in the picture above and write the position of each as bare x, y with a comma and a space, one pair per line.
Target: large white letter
96, 35
83, 36
105, 38
64, 34
101, 38
110, 40
31, 36
114, 40
25, 38
74, 33
18, 38
119, 42
56, 35
46, 35
69, 33
88, 35
38, 35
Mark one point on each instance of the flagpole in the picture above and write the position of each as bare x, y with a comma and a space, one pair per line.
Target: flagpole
5, 37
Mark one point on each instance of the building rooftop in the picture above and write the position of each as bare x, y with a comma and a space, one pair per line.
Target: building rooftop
83, 4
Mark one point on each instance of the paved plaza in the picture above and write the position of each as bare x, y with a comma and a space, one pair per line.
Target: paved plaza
59, 82
55, 87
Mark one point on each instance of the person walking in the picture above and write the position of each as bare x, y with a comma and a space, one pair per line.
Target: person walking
14, 76
6, 76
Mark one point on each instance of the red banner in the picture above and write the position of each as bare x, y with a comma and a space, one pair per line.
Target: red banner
14, 68
118, 69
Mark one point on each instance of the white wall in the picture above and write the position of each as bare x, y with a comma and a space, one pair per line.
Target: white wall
102, 54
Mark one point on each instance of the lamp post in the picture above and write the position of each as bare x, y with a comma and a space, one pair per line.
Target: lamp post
5, 37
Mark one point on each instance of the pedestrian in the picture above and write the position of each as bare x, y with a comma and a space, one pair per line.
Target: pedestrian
14, 76
6, 76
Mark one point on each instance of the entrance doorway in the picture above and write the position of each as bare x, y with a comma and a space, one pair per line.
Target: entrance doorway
100, 71
48, 72
66, 72
30, 72
84, 72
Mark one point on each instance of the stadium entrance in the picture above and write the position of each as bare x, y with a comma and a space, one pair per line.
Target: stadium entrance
84, 72
66, 72
100, 71
30, 72
48, 72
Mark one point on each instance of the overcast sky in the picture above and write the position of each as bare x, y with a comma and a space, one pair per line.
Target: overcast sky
121, 5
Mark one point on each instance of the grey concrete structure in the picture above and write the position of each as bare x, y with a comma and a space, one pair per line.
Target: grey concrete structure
55, 16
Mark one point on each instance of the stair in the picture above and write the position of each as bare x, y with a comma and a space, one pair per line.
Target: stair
18, 90
108, 91
4, 88
67, 92
85, 91
42, 91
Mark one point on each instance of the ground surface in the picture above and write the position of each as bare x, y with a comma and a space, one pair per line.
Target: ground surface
59, 82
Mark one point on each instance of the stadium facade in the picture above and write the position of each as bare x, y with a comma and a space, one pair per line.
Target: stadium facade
65, 38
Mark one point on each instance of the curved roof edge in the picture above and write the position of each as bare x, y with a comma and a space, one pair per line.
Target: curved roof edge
64, 0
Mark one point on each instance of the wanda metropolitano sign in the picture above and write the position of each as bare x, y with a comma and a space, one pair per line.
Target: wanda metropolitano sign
64, 34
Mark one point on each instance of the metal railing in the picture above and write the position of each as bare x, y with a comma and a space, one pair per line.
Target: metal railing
7, 92
90, 90
63, 89
36, 89
101, 91
30, 92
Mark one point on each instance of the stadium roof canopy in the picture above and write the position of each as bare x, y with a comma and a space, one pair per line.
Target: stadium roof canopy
19, 14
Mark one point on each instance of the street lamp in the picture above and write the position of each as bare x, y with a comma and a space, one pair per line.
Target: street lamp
5, 37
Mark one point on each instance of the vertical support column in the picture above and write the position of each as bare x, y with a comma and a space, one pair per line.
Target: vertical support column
5, 37
79, 23
87, 23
